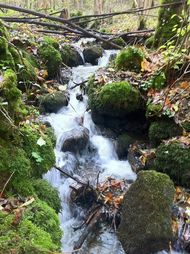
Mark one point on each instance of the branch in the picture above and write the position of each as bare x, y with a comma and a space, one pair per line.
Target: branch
57, 19
40, 23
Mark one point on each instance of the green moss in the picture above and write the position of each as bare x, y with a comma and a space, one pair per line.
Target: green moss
6, 59
22, 186
168, 18
163, 129
186, 125
130, 59
47, 193
51, 41
11, 92
43, 216
42, 157
174, 160
51, 58
70, 56
153, 110
147, 214
3, 31
123, 143
18, 163
114, 99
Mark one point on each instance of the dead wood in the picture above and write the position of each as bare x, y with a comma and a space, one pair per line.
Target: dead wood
57, 19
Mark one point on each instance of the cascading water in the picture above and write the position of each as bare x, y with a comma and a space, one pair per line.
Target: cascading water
103, 158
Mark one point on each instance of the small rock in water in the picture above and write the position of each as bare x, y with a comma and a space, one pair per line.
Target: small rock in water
79, 97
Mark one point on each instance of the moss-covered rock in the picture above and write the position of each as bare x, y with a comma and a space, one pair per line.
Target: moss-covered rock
114, 99
43, 216
24, 238
47, 193
39, 148
92, 53
51, 58
163, 129
146, 214
51, 103
3, 31
51, 41
118, 41
174, 160
123, 143
130, 59
168, 18
70, 56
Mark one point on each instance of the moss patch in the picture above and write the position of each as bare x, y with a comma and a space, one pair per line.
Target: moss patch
51, 58
163, 129
174, 160
129, 59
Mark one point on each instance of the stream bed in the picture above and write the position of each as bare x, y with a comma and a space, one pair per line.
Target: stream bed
100, 156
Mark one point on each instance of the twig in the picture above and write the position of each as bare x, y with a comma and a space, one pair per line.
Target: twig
6, 183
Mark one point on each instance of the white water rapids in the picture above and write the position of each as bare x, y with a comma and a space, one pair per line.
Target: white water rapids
103, 157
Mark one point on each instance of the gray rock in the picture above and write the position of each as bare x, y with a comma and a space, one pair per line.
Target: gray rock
51, 103
91, 54
75, 140
146, 225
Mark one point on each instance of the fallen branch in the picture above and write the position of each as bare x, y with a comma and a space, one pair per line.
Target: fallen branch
70, 176
57, 19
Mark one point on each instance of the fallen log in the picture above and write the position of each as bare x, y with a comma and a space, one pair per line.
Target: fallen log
57, 19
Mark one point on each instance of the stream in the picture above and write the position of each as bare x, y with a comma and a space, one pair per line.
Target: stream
99, 157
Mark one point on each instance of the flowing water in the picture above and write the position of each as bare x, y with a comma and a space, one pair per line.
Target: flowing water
101, 157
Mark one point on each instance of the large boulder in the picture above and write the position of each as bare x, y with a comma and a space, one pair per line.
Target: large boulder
146, 215
75, 140
92, 53
51, 103
70, 56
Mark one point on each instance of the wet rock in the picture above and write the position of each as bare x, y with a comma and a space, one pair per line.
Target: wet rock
123, 143
65, 75
146, 215
79, 97
71, 163
91, 54
70, 56
75, 140
51, 103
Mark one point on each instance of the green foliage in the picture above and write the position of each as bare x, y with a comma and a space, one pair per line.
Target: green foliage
43, 216
3, 31
156, 81
114, 98
153, 109
51, 58
163, 129
47, 193
130, 59
42, 157
174, 160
